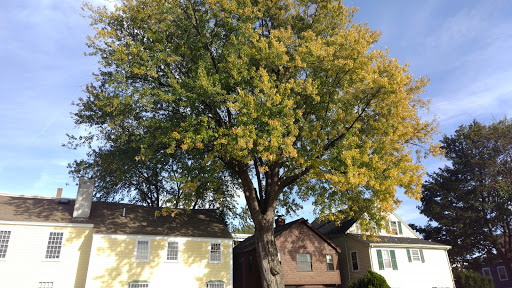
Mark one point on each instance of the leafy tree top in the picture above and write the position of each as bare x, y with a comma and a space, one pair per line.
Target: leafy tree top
291, 96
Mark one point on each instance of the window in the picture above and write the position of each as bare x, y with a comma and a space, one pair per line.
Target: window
502, 273
172, 251
304, 262
54, 246
215, 284
45, 285
487, 272
4, 243
355, 264
330, 262
393, 227
137, 284
415, 255
215, 253
386, 259
142, 252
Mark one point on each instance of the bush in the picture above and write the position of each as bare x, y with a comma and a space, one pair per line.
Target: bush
471, 279
370, 280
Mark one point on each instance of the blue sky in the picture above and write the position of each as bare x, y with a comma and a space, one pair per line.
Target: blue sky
465, 47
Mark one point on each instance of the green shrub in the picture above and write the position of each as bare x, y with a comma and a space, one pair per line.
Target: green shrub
370, 280
471, 279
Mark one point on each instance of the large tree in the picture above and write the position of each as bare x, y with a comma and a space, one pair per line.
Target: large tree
469, 201
290, 96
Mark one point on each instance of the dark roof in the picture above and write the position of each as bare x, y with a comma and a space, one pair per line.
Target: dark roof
249, 244
394, 240
329, 228
107, 217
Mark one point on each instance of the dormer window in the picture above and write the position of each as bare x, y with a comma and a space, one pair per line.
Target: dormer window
393, 226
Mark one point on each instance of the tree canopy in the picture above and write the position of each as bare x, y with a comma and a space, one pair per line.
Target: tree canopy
469, 202
291, 97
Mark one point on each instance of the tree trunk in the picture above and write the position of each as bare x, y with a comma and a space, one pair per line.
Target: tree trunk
266, 249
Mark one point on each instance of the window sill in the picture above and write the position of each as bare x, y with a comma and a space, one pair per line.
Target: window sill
50, 260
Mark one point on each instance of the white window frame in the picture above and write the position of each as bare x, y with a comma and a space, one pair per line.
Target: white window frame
215, 284
5, 237
504, 271
135, 258
310, 261
45, 284
393, 227
177, 251
487, 272
138, 284
386, 253
214, 253
357, 260
47, 244
327, 256
413, 259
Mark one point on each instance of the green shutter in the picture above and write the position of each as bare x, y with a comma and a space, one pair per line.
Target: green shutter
409, 255
393, 259
400, 228
379, 258
421, 255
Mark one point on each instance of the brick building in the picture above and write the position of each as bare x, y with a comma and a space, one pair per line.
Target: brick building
308, 259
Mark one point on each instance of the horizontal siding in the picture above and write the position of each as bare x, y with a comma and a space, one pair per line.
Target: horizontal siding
435, 272
25, 266
112, 264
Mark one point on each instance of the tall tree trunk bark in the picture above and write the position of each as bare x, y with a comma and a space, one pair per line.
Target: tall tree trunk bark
268, 260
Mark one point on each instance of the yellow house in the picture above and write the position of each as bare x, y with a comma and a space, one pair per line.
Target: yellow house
57, 242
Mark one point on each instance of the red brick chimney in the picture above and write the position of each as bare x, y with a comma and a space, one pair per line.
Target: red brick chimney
59, 192
280, 220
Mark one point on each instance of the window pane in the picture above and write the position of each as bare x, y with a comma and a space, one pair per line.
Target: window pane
487, 272
330, 264
502, 273
172, 251
393, 227
304, 262
138, 285
386, 258
215, 285
142, 251
4, 243
415, 255
45, 285
54, 245
355, 265
215, 253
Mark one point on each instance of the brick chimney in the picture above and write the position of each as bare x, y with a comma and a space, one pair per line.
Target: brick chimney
83, 199
59, 193
280, 220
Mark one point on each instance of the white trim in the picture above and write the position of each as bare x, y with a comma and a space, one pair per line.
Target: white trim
166, 250
135, 252
162, 237
499, 275
230, 266
489, 270
210, 252
30, 223
411, 246
404, 223
45, 247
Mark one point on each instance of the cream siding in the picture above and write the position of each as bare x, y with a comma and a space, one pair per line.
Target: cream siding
435, 272
25, 265
112, 262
